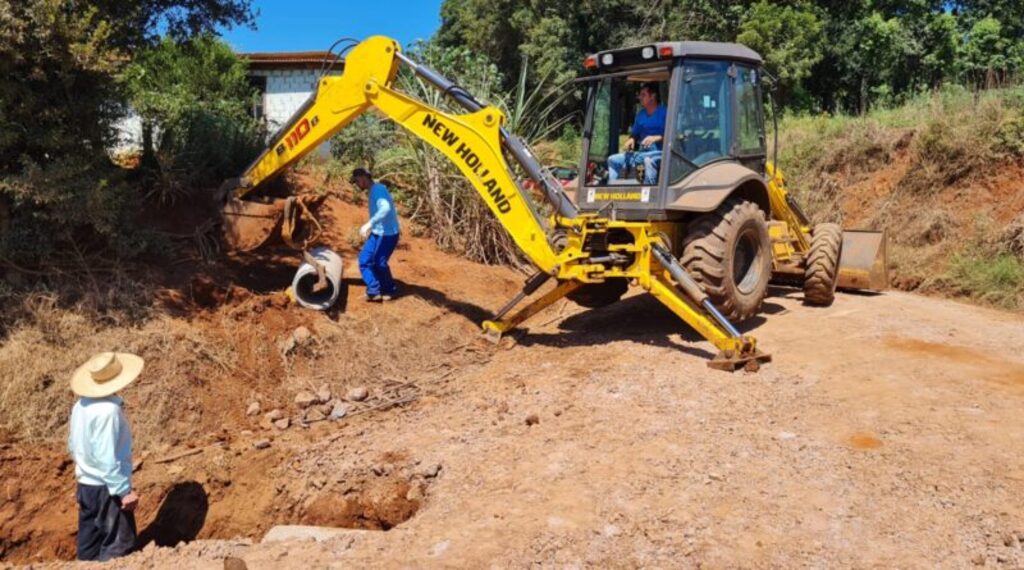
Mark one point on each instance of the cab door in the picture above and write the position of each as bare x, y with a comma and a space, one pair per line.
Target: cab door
749, 145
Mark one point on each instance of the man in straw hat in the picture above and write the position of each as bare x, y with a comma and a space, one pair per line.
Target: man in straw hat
100, 442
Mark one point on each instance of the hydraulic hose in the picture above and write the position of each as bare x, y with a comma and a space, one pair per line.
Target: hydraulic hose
516, 147
692, 289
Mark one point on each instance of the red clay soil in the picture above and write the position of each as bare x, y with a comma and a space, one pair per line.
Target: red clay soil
886, 433
240, 312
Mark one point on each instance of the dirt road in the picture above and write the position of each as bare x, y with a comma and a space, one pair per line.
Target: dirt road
886, 433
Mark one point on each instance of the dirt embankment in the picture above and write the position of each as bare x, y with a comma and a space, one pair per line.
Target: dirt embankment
220, 343
885, 433
943, 174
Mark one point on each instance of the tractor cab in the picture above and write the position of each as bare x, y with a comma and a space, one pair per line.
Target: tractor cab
671, 128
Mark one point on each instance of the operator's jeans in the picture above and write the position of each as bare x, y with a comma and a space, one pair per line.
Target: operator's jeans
649, 158
373, 264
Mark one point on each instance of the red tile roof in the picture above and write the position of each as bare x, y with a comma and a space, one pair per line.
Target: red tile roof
291, 59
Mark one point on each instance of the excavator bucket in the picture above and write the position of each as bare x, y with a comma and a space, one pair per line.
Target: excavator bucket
864, 263
248, 225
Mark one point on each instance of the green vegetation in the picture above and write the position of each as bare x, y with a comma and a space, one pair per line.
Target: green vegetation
195, 104
994, 279
62, 201
828, 55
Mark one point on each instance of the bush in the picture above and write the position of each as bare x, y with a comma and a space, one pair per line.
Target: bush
997, 279
67, 211
193, 99
63, 205
201, 147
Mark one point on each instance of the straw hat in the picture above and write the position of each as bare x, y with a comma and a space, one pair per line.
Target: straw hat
105, 374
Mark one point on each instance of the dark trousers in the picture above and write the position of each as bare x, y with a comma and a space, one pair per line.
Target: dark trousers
104, 530
373, 264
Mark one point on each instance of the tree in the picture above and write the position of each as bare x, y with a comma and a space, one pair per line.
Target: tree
987, 57
59, 95
791, 41
196, 97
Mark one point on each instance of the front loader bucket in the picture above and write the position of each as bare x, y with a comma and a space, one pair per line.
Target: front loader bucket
248, 225
864, 263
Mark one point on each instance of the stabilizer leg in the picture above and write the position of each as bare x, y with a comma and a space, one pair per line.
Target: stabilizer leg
493, 329
697, 310
736, 351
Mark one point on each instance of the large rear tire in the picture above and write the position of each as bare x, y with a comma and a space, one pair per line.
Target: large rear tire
821, 272
728, 253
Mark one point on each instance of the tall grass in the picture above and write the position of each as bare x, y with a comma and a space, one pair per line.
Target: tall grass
992, 279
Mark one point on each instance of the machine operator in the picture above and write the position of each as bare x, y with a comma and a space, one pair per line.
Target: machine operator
648, 130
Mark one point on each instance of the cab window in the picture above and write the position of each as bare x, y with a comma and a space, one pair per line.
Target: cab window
748, 119
703, 128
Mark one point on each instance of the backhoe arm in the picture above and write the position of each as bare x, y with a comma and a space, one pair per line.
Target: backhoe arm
473, 141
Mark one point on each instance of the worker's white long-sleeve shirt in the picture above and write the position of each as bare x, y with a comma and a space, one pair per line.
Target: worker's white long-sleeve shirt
100, 442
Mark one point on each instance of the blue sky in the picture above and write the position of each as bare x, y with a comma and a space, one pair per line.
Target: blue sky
304, 25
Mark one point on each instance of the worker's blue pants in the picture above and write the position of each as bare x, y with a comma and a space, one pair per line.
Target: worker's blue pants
373, 264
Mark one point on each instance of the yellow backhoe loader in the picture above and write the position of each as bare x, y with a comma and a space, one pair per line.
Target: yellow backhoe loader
702, 220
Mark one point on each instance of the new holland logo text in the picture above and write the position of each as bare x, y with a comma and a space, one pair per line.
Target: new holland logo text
471, 159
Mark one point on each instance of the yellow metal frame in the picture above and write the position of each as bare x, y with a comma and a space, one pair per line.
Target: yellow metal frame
777, 194
472, 141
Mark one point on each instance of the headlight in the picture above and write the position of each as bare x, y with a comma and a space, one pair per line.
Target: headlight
647, 52
607, 59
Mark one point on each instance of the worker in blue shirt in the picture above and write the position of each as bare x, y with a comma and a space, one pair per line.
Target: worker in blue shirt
100, 442
647, 133
381, 235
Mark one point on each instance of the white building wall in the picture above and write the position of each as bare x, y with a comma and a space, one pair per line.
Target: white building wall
287, 90
128, 132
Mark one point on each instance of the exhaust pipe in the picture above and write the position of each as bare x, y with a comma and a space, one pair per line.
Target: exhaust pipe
304, 283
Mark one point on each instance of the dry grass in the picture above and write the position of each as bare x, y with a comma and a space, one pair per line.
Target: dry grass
1011, 240
44, 348
202, 372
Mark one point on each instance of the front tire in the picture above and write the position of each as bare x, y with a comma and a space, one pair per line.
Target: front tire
821, 272
728, 253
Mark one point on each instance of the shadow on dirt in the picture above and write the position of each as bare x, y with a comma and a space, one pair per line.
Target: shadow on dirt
469, 311
639, 318
180, 518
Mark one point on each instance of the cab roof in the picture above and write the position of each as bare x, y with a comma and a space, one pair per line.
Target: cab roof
662, 51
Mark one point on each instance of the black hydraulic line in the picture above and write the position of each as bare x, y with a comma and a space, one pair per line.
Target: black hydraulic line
516, 147
691, 288
532, 284
793, 205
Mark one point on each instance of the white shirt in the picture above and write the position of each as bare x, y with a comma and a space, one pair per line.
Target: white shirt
100, 442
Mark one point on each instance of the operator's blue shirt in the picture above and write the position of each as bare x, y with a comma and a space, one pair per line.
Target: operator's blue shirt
645, 125
383, 216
